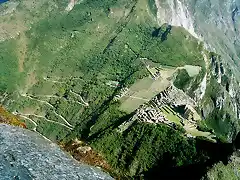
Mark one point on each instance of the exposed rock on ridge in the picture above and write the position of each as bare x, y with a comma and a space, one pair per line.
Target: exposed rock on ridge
216, 23
26, 155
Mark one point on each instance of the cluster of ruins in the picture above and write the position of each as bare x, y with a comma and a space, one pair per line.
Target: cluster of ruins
152, 115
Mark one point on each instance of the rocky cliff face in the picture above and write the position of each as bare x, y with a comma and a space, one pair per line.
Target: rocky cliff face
216, 23
26, 155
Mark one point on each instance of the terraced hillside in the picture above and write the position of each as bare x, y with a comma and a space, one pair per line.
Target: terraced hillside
106, 72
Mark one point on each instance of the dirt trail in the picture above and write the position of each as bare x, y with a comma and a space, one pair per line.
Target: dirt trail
51, 96
63, 119
54, 81
32, 121
42, 117
46, 96
41, 101
45, 102
84, 103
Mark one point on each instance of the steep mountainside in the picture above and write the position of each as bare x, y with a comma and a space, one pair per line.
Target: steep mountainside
223, 171
152, 86
214, 22
217, 25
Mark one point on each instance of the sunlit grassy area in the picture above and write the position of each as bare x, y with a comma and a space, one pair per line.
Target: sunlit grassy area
144, 90
170, 115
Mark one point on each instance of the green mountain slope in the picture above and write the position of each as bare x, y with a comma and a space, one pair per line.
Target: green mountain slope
107, 73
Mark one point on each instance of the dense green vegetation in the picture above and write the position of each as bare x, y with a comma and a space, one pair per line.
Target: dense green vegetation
141, 146
96, 43
225, 170
222, 121
81, 51
53, 131
9, 65
182, 79
165, 52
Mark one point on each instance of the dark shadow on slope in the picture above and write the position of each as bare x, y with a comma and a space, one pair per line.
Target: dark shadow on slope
190, 172
162, 32
156, 32
84, 130
215, 151
115, 124
166, 32
109, 44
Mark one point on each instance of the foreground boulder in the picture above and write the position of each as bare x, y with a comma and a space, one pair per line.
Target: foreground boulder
27, 155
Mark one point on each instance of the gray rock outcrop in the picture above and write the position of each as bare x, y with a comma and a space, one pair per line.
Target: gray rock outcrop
26, 155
